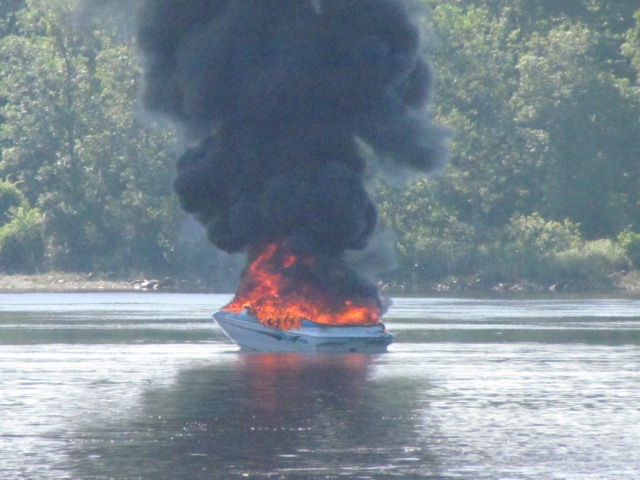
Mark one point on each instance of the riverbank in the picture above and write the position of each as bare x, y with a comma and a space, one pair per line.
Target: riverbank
630, 282
74, 282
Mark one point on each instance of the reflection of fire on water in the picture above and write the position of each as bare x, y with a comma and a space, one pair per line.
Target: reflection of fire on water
281, 288
283, 386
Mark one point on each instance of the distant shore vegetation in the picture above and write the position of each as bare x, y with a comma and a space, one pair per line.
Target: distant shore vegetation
542, 189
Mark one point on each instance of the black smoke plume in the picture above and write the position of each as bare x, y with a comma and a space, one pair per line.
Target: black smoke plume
276, 99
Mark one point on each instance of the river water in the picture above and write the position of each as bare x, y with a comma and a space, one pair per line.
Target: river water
145, 386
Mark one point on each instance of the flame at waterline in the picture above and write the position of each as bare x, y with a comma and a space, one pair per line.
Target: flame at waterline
278, 288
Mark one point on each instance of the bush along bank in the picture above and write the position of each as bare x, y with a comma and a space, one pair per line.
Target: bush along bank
531, 254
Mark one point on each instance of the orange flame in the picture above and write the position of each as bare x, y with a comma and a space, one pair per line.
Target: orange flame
280, 301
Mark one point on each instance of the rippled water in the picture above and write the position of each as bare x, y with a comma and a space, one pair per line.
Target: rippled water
144, 386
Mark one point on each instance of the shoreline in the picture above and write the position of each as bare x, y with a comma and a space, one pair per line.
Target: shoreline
76, 282
628, 283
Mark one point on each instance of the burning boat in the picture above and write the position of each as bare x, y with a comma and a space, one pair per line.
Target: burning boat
249, 334
280, 293
284, 107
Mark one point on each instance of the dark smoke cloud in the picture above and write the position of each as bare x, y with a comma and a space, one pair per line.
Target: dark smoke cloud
275, 97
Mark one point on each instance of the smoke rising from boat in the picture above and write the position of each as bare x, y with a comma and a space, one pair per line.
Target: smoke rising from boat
276, 99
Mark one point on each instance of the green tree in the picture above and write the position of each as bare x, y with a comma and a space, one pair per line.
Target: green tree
494, 160
530, 244
10, 199
21, 241
8, 10
590, 171
544, 122
631, 47
71, 138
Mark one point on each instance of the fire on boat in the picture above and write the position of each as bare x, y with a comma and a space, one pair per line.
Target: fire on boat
286, 302
280, 145
250, 334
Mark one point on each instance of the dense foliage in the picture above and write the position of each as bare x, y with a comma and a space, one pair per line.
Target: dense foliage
543, 184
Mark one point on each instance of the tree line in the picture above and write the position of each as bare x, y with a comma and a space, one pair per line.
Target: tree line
542, 186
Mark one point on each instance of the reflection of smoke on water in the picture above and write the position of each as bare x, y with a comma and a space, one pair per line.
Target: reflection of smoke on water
268, 416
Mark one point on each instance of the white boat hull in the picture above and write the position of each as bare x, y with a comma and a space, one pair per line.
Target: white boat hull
249, 334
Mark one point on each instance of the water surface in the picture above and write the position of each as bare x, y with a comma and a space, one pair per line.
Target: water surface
144, 386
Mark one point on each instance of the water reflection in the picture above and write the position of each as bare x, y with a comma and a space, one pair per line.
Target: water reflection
266, 416
145, 387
